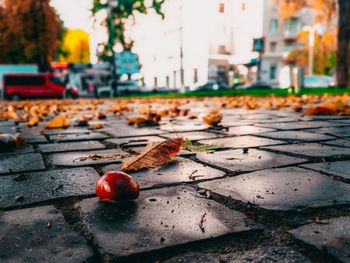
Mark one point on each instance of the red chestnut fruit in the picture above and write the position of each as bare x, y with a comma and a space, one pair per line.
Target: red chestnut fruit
117, 186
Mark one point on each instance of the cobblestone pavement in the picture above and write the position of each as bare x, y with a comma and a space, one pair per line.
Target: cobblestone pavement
278, 190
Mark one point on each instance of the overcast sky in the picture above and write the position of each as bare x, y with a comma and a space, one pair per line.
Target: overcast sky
74, 13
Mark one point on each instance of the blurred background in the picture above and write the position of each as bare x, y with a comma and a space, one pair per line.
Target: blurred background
110, 48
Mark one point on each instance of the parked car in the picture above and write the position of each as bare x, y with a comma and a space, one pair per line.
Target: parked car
256, 85
123, 88
22, 86
210, 85
319, 81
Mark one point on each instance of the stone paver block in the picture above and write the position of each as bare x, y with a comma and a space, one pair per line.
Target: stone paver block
264, 254
178, 171
129, 131
44, 186
333, 129
332, 238
242, 141
339, 142
296, 136
341, 168
20, 150
311, 150
282, 189
8, 129
72, 146
21, 163
70, 130
134, 141
184, 127
247, 129
88, 157
158, 219
78, 137
35, 139
300, 125
40, 235
193, 136
237, 161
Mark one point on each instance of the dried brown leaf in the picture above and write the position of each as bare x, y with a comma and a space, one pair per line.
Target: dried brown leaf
156, 154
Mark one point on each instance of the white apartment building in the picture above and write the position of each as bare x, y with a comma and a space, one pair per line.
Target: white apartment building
280, 38
201, 38
204, 39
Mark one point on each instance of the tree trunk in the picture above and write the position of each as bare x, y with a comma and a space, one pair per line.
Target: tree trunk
343, 53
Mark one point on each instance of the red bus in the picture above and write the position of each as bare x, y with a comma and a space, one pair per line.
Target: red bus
22, 86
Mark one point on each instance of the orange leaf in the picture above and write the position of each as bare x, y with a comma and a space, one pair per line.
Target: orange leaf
33, 121
320, 110
97, 126
156, 154
58, 122
213, 118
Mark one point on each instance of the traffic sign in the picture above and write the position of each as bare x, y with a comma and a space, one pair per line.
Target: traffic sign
127, 63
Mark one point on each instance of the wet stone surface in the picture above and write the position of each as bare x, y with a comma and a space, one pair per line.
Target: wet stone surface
72, 146
178, 171
43, 186
97, 157
282, 189
21, 163
242, 141
332, 237
40, 235
160, 218
239, 161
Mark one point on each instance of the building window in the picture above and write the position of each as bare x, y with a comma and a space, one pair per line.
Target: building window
274, 25
292, 25
222, 8
289, 45
273, 46
273, 71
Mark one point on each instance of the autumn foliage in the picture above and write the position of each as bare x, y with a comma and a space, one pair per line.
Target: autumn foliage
30, 32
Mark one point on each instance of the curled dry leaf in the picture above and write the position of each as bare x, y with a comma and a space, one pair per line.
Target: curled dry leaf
213, 118
320, 110
58, 122
156, 154
97, 126
33, 121
151, 119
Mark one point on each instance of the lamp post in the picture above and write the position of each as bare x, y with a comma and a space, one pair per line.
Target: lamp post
311, 53
111, 42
